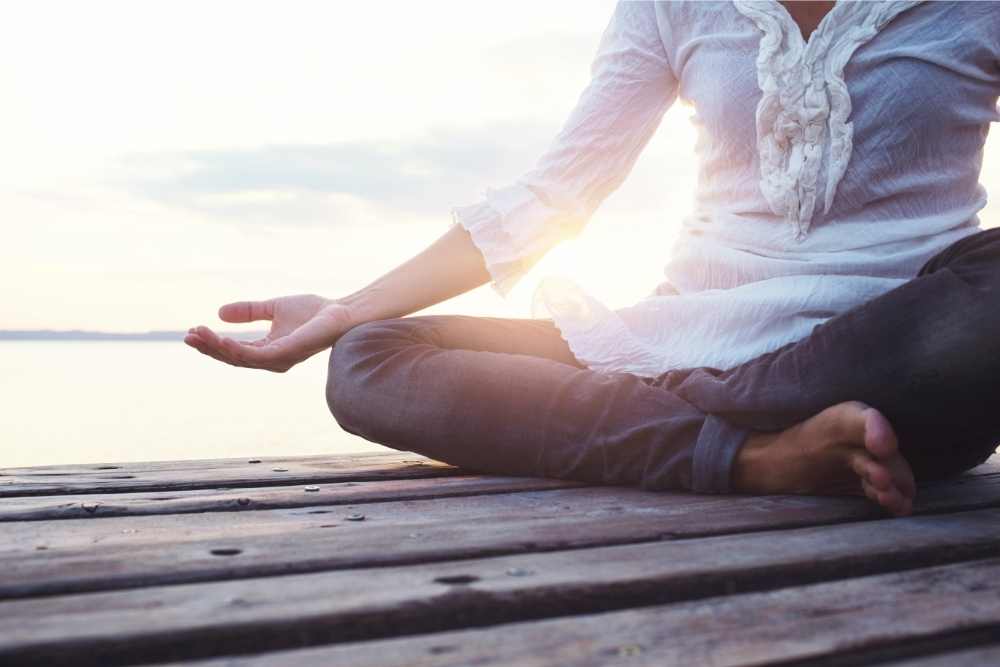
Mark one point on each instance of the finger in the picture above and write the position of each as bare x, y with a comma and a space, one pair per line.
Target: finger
237, 351
199, 345
223, 348
213, 343
302, 343
249, 357
194, 340
247, 311
209, 337
222, 352
260, 342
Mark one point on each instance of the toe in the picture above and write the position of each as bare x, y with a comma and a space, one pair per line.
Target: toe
871, 471
894, 502
902, 474
880, 438
870, 491
890, 500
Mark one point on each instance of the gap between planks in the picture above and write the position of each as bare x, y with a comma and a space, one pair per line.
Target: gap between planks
191, 621
166, 476
874, 617
68, 556
396, 481
208, 474
106, 503
969, 486
44, 508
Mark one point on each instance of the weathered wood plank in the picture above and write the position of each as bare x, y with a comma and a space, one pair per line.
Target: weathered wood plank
73, 556
44, 508
207, 474
879, 613
190, 621
114, 503
975, 657
111, 504
672, 510
213, 473
45, 558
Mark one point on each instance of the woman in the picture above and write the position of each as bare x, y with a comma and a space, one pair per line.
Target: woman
830, 322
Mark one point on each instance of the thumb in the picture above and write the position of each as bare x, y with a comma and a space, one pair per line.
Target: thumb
247, 311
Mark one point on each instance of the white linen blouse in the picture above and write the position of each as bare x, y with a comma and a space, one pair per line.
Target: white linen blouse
830, 169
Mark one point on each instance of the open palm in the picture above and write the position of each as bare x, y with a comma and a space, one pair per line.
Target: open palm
301, 326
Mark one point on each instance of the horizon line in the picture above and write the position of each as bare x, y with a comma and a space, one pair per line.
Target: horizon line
86, 334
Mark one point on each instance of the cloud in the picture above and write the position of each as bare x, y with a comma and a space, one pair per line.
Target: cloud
304, 183
365, 182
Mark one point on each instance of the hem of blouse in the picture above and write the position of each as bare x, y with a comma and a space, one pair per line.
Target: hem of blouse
575, 340
602, 342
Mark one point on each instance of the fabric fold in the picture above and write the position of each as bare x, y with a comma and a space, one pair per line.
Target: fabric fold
596, 335
513, 228
805, 105
752, 267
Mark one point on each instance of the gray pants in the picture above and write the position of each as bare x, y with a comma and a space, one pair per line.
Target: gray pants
506, 396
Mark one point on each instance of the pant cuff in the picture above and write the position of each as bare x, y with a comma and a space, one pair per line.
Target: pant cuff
714, 453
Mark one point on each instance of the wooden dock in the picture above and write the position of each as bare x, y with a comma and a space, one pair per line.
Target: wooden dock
392, 559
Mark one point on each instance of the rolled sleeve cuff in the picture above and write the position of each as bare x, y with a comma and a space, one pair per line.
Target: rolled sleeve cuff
512, 228
714, 454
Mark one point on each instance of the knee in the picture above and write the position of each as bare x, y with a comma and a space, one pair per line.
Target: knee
975, 259
932, 464
339, 374
354, 360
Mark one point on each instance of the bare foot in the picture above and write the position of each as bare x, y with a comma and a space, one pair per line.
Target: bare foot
847, 449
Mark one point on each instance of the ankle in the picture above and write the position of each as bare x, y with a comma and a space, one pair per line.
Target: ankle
754, 465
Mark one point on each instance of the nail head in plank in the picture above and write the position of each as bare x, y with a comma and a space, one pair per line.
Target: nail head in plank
170, 475
277, 612
37, 508
89, 556
878, 613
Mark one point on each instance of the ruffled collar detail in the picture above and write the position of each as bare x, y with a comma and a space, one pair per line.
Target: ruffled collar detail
805, 104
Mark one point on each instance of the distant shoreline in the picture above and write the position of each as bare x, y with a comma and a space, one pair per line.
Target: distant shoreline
80, 335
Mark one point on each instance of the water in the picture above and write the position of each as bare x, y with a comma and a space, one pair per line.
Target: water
89, 402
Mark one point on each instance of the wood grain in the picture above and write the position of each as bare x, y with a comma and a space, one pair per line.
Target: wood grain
55, 557
240, 473
975, 657
198, 620
103, 505
390, 558
74, 556
207, 474
882, 614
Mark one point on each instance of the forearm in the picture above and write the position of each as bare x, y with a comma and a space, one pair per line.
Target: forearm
448, 267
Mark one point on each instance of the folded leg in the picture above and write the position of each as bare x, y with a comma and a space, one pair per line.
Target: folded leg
506, 396
926, 355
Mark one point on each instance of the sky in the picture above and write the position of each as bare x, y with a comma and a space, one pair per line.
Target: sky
162, 158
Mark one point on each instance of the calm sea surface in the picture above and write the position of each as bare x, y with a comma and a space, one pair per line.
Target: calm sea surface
86, 402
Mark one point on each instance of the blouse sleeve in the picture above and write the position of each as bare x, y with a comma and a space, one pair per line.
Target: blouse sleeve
631, 87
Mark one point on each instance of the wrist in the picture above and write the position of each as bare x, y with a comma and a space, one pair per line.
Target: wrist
751, 466
362, 306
